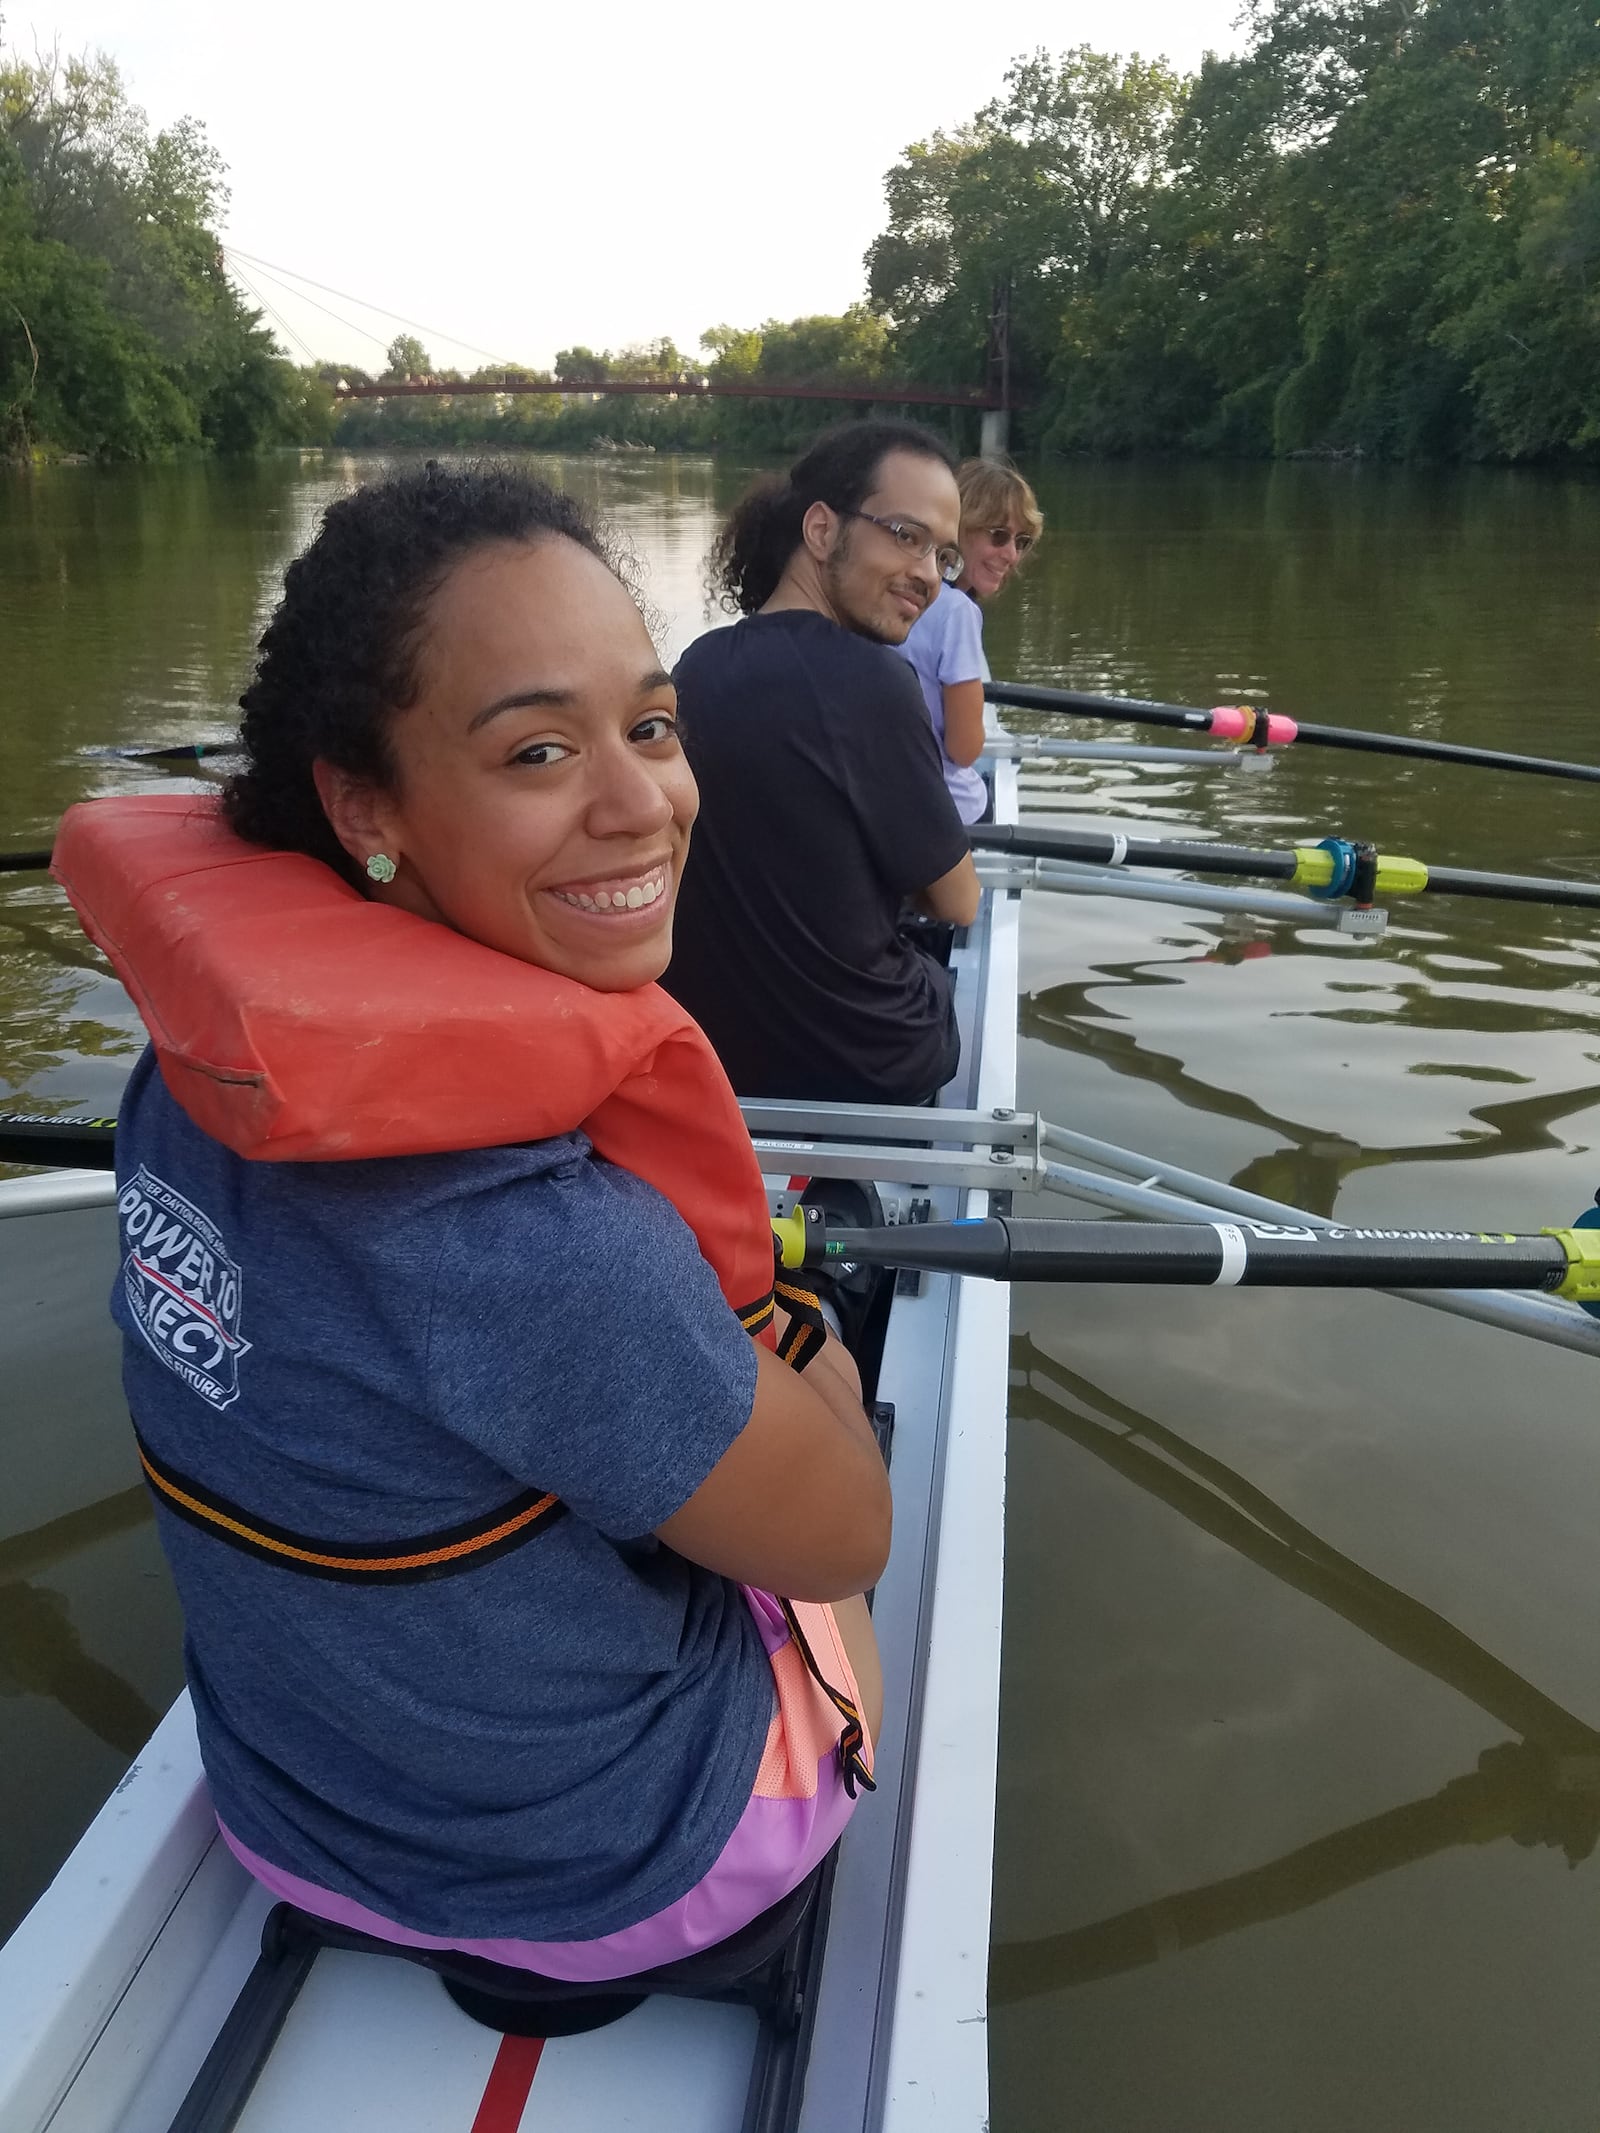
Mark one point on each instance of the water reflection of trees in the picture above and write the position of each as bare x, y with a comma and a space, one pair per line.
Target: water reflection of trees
1310, 1170
40, 1044
1507, 1014
41, 1652
1542, 1789
49, 975
62, 944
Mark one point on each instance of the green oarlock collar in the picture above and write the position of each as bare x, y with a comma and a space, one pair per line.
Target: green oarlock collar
1582, 1247
1313, 867
1401, 877
1396, 877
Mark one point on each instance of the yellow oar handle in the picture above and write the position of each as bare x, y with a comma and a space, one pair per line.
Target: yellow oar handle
1582, 1247
1315, 864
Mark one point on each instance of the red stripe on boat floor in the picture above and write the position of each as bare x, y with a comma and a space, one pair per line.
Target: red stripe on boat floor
510, 2080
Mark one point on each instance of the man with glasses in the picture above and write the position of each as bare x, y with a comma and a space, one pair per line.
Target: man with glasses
823, 807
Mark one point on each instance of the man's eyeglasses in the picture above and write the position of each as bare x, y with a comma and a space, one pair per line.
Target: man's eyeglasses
914, 540
1007, 536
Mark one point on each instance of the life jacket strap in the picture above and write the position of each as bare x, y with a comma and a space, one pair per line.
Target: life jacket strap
756, 1317
853, 1740
808, 1329
409, 1561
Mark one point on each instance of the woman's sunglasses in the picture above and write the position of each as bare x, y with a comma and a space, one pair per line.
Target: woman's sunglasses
1004, 536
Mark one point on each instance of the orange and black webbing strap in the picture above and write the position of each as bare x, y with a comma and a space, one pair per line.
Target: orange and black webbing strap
399, 1562
853, 1740
808, 1329
755, 1318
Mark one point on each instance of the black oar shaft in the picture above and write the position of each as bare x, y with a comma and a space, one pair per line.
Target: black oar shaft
24, 862
1354, 739
1138, 711
58, 1143
175, 752
1198, 1255
1512, 888
1132, 710
1102, 848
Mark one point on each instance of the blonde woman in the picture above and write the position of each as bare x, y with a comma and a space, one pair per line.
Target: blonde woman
1000, 522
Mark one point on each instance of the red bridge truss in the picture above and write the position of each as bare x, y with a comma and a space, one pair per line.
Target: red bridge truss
687, 387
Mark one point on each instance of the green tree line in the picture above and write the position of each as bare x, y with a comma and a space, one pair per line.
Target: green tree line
1376, 231
855, 347
120, 334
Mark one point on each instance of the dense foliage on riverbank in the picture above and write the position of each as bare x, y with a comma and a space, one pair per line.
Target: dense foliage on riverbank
844, 349
1376, 231
120, 335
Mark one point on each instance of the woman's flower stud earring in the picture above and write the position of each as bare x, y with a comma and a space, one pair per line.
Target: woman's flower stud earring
380, 867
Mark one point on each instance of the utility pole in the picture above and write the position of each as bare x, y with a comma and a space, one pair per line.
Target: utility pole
996, 431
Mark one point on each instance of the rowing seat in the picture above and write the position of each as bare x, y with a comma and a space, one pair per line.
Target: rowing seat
758, 1967
769, 1966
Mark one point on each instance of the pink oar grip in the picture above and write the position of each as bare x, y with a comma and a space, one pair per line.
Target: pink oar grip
1230, 723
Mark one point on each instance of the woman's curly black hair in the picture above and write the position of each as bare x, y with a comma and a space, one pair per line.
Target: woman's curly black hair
763, 529
340, 656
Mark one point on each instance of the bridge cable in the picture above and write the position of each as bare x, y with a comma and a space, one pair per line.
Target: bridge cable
276, 317
300, 296
436, 333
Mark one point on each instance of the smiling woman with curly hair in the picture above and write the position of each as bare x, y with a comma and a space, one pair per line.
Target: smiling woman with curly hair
511, 1554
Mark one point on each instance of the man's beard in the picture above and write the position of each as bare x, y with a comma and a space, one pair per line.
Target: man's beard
858, 624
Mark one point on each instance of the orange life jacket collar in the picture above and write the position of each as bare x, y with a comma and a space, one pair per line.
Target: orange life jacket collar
294, 1020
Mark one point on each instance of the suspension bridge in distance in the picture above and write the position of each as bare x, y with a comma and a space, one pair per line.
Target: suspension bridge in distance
690, 386
993, 400
992, 403
503, 379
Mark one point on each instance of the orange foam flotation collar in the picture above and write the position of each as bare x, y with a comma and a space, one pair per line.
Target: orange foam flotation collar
296, 1021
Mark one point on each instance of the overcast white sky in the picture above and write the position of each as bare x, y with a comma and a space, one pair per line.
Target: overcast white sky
535, 175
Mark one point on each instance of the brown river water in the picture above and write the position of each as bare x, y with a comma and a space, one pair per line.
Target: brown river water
1300, 1760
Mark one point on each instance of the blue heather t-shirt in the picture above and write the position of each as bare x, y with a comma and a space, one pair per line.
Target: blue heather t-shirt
552, 1745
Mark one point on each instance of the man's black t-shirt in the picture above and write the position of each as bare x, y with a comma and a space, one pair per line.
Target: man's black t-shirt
822, 808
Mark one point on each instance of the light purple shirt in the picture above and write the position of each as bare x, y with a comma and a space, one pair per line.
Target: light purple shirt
946, 646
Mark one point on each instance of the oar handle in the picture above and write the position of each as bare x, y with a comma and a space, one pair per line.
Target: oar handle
1208, 1254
